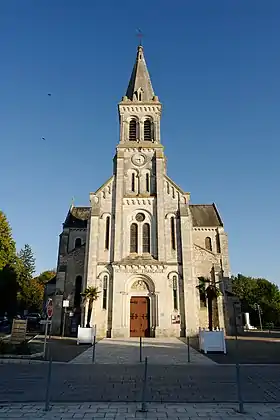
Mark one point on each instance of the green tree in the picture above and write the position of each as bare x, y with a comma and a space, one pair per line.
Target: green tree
90, 294
7, 244
46, 276
33, 295
25, 268
252, 290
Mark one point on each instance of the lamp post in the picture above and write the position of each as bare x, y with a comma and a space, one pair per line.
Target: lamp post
259, 309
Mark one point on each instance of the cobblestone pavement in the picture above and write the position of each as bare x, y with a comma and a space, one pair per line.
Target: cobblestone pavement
121, 411
123, 383
162, 351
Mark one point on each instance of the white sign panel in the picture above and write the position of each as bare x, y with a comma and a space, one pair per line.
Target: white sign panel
65, 304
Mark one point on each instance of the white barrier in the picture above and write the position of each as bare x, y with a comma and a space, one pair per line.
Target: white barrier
212, 341
86, 335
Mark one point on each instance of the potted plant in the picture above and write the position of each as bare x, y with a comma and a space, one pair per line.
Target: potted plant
90, 295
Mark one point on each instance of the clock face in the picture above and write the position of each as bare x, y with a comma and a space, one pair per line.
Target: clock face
138, 159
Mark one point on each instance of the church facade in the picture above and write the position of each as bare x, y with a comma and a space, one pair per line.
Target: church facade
140, 241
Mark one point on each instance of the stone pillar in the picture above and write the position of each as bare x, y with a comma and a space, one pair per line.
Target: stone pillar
191, 300
93, 241
160, 204
118, 210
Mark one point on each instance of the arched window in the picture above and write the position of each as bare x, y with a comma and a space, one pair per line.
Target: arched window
146, 238
134, 238
148, 182
208, 243
173, 237
133, 182
133, 130
107, 232
147, 130
78, 290
105, 288
140, 96
175, 293
78, 242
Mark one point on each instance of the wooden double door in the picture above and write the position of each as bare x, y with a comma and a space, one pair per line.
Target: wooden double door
139, 316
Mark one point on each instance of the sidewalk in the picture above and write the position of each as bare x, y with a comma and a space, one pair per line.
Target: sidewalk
129, 411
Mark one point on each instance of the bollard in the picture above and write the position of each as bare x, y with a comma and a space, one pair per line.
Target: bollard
239, 393
140, 349
93, 349
189, 356
143, 405
47, 401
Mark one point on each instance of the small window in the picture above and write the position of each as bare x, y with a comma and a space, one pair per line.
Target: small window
105, 288
173, 237
78, 290
208, 243
134, 238
147, 130
148, 182
218, 244
133, 130
175, 293
133, 182
146, 238
140, 96
107, 232
78, 242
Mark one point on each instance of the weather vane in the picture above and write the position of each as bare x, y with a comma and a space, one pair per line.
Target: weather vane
140, 35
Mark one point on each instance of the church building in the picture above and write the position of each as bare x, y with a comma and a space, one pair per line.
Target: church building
140, 241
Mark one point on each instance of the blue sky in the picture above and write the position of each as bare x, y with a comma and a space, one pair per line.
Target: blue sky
215, 65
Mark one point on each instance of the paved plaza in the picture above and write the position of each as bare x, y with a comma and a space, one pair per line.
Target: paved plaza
163, 351
129, 411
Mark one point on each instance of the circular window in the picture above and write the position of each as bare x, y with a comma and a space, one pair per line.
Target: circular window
140, 217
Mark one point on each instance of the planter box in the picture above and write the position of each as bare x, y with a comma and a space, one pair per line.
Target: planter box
85, 335
212, 341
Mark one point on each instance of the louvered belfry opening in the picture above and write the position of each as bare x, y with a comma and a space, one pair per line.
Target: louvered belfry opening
133, 130
147, 130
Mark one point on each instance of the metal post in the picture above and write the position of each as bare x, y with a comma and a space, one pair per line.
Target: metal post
140, 349
188, 343
143, 405
47, 401
93, 348
260, 316
237, 367
64, 320
45, 339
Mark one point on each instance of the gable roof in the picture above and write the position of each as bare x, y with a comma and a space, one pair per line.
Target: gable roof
77, 217
205, 215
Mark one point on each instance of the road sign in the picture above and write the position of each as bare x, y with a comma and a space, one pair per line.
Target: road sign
50, 308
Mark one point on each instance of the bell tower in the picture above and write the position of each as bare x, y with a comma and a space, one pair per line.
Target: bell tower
140, 109
139, 166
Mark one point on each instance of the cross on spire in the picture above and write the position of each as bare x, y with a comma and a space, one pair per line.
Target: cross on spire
140, 35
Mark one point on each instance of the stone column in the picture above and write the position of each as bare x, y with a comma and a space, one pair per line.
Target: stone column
118, 210
160, 204
191, 301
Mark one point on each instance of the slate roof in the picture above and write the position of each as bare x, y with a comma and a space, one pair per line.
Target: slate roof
77, 217
140, 78
205, 215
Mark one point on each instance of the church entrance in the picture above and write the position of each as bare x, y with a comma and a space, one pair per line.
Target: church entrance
139, 316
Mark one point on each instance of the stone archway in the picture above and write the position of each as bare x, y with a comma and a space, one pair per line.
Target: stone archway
142, 306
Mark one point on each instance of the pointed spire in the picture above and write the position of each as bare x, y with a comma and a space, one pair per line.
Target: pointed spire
140, 86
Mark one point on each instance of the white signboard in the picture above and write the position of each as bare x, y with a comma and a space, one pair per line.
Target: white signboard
85, 335
65, 304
